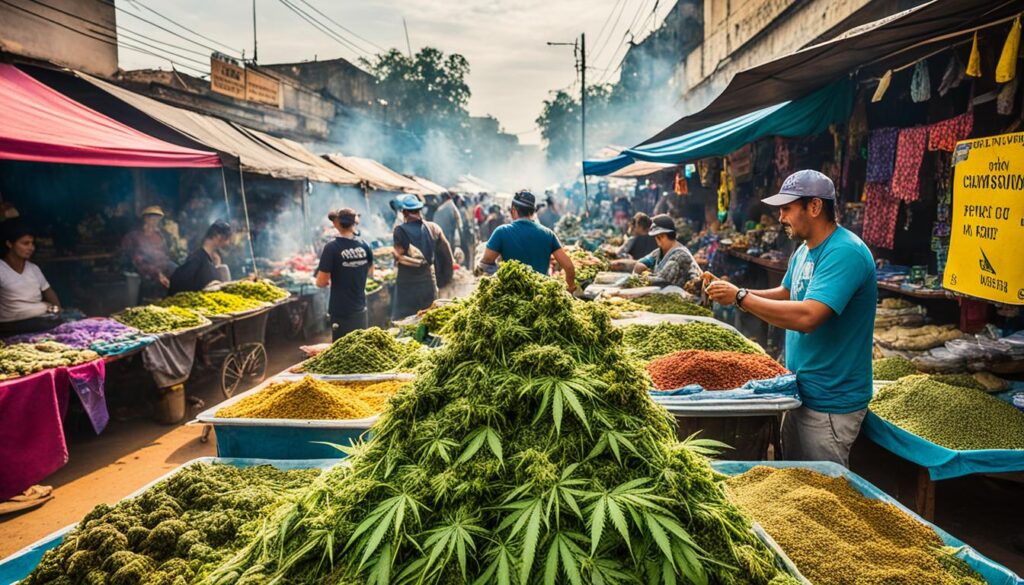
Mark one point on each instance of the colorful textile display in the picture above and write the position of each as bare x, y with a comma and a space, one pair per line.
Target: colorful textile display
909, 155
945, 134
880, 213
881, 154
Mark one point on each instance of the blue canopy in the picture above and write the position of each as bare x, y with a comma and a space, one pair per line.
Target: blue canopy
801, 117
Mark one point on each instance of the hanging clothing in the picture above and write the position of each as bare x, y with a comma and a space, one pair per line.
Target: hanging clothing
1005, 99
883, 86
945, 134
1006, 69
880, 213
921, 83
906, 176
881, 153
953, 76
974, 61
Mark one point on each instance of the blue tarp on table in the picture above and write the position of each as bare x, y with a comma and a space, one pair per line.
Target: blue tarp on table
942, 463
994, 573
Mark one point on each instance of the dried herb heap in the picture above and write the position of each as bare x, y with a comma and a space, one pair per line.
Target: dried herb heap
646, 342
672, 304
261, 290
363, 351
22, 359
211, 303
837, 536
153, 319
892, 368
311, 399
618, 306
528, 451
173, 533
954, 417
437, 318
712, 370
587, 264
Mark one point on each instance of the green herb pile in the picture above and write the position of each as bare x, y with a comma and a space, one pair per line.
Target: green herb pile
954, 417
261, 290
21, 359
211, 303
154, 319
892, 368
637, 281
648, 342
363, 351
964, 380
437, 318
569, 228
528, 452
371, 286
587, 265
672, 304
173, 533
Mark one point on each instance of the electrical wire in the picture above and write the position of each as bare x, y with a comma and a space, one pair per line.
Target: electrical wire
137, 3
312, 22
611, 31
343, 27
624, 44
600, 33
161, 27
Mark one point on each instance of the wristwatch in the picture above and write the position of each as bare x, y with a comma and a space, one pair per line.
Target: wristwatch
740, 295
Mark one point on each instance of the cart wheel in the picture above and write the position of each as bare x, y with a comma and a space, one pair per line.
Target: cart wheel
255, 362
231, 374
246, 364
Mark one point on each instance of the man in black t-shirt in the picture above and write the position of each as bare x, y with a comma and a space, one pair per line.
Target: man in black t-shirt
345, 264
200, 269
640, 242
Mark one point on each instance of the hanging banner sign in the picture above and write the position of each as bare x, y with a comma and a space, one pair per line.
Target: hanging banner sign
986, 245
262, 88
227, 77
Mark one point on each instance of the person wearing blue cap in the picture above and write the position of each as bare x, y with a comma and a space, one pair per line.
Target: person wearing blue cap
527, 241
420, 250
827, 305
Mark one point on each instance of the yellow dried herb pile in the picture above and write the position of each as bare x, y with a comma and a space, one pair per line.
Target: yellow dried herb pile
313, 399
837, 536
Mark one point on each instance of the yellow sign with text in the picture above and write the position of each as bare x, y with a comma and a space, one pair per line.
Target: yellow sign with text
986, 245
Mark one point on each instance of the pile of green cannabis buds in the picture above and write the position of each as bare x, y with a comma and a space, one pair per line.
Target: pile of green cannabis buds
527, 450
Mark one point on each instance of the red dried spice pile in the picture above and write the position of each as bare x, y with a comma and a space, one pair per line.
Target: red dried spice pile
713, 370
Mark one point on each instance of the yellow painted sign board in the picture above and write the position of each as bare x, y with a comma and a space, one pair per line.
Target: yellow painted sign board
227, 78
986, 245
262, 88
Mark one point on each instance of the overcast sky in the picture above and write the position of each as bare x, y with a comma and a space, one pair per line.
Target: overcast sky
512, 69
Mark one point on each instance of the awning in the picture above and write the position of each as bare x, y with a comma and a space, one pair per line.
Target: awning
473, 185
802, 117
428, 187
375, 175
635, 170
883, 44
253, 156
325, 172
41, 125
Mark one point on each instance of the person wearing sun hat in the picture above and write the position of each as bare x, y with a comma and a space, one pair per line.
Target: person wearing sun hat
146, 254
826, 303
420, 249
671, 263
345, 264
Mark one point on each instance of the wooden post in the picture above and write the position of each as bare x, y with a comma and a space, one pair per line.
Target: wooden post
924, 495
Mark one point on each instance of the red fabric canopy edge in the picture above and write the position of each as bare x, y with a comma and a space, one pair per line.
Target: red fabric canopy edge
42, 125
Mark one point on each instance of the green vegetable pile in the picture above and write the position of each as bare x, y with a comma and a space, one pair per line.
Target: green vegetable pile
569, 228
437, 318
21, 359
371, 286
173, 533
154, 319
892, 368
587, 265
647, 342
954, 417
363, 351
672, 304
211, 303
261, 290
964, 380
529, 451
637, 281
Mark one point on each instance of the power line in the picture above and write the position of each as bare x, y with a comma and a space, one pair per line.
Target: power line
611, 32
312, 22
88, 34
343, 27
183, 27
163, 28
600, 33
628, 33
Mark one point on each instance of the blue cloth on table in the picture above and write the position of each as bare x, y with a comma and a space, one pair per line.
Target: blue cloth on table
779, 386
993, 573
942, 463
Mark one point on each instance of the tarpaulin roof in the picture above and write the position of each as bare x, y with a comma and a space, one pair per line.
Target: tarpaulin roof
325, 171
802, 117
890, 42
39, 124
374, 174
429, 187
634, 170
253, 156
471, 184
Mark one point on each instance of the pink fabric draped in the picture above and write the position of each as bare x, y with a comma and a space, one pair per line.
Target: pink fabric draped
42, 125
31, 431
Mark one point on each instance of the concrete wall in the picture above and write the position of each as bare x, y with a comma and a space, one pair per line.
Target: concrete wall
87, 40
337, 78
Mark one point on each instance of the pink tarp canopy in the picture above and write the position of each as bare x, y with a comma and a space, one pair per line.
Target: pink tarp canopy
38, 124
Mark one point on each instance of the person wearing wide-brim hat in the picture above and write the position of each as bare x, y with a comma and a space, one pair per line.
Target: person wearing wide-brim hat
345, 264
671, 263
423, 257
146, 252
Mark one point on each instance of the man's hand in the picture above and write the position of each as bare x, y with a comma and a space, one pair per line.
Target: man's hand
164, 281
722, 292
571, 287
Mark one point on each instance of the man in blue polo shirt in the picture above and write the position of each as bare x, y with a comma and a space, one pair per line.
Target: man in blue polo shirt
827, 305
527, 241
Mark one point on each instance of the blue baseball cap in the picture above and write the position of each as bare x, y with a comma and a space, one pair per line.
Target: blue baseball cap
409, 203
805, 183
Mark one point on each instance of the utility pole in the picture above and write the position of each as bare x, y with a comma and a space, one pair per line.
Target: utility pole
580, 52
254, 31
408, 45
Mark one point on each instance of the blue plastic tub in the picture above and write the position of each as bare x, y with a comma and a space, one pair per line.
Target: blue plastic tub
289, 438
17, 566
994, 573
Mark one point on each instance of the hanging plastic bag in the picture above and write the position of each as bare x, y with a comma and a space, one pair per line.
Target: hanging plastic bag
1006, 69
921, 83
974, 62
883, 86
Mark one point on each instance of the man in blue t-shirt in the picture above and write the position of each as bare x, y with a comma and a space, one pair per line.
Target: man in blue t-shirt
345, 264
827, 305
527, 241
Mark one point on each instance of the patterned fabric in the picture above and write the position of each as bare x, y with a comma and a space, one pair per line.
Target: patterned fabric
945, 134
909, 153
921, 83
881, 150
880, 213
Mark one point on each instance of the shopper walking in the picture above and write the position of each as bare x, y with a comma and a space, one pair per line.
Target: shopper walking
419, 247
345, 264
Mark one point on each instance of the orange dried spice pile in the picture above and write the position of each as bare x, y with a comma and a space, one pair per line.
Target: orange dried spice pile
313, 399
712, 370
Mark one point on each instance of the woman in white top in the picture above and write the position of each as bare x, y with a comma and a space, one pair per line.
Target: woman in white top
27, 302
